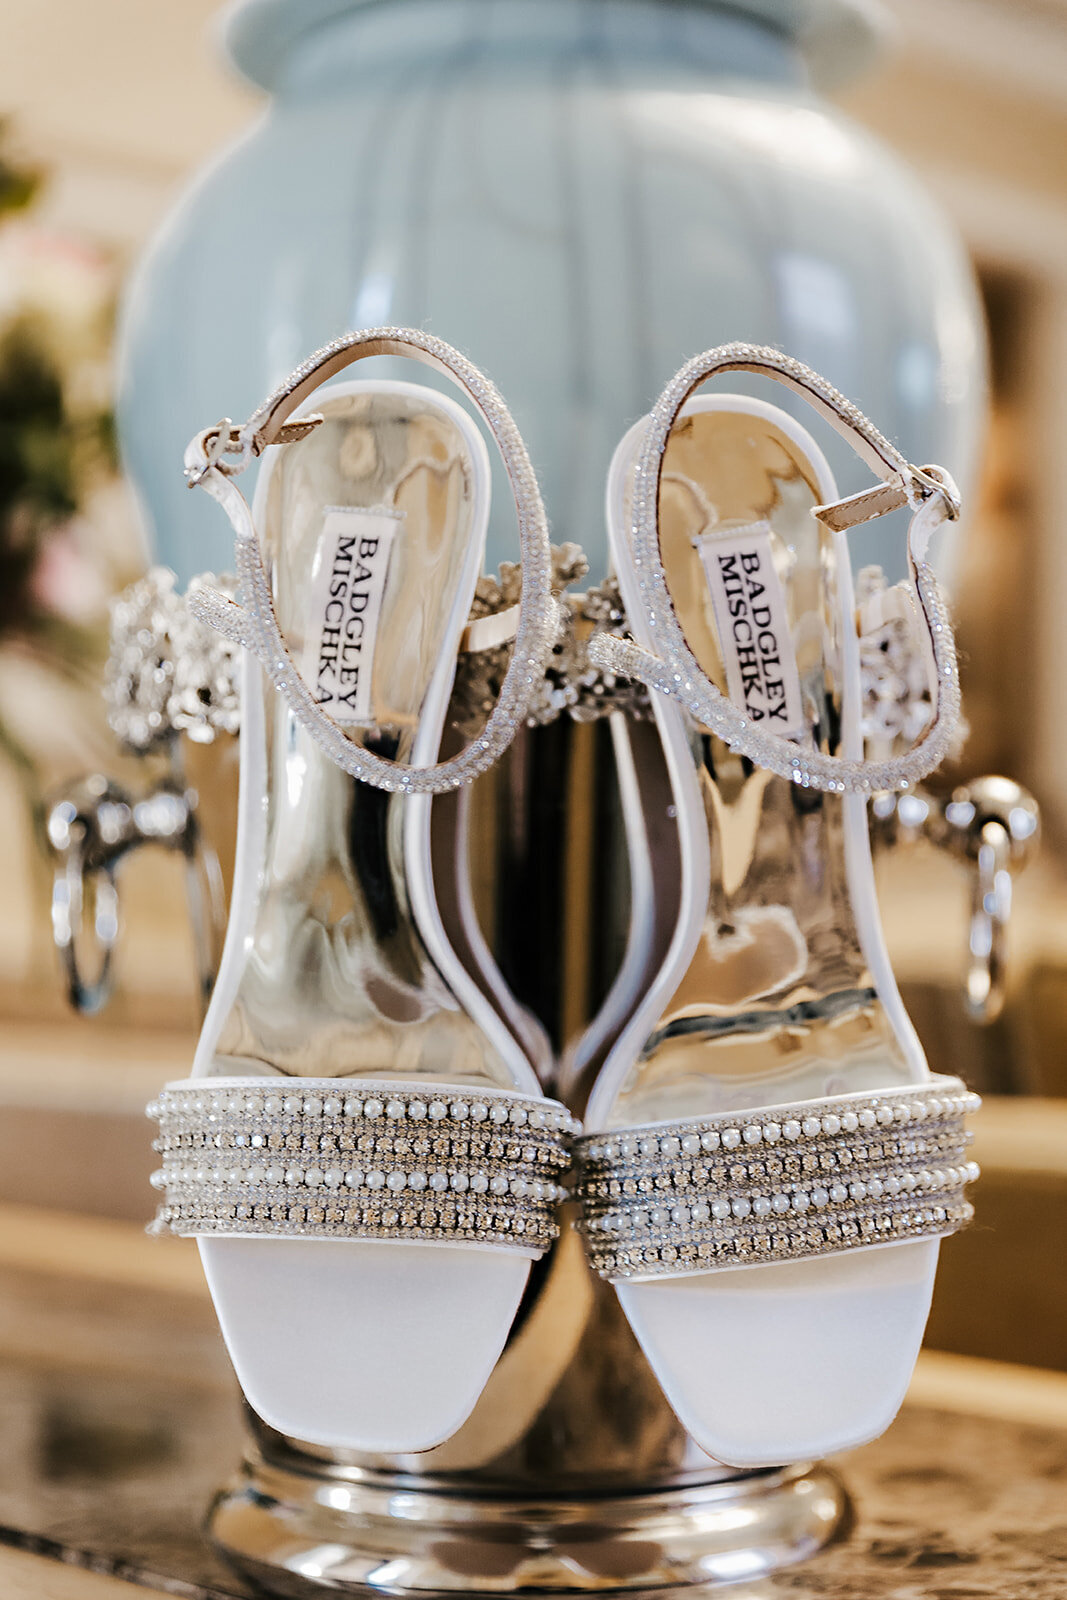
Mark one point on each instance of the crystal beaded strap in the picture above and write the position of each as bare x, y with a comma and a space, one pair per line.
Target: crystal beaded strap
676, 672
361, 1159
255, 625
809, 1179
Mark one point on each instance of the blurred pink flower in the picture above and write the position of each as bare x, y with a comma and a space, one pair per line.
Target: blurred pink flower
65, 582
42, 271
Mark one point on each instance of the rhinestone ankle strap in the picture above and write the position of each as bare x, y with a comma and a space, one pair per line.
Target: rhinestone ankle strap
356, 1159
802, 1180
675, 672
255, 625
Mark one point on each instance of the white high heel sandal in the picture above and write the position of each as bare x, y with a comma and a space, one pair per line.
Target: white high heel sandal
363, 1150
768, 1164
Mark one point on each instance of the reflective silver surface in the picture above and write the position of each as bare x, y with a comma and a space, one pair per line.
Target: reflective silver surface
91, 829
338, 980
992, 825
295, 1534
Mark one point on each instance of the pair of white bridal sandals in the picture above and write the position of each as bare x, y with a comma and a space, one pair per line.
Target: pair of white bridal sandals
767, 1164
358, 1101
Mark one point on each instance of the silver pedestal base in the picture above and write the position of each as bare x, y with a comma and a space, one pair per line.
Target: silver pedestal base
296, 1527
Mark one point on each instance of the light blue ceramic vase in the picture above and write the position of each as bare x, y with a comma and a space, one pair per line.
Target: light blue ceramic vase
577, 193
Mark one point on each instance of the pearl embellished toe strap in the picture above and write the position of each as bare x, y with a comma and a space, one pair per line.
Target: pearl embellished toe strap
331, 1158
674, 671
218, 454
809, 1179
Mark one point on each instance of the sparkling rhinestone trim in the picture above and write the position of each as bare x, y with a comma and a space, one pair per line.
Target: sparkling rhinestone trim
361, 1159
897, 704
675, 671
788, 1182
169, 671
571, 685
166, 673
538, 613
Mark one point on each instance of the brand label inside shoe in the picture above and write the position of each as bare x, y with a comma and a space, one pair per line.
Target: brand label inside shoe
753, 628
344, 608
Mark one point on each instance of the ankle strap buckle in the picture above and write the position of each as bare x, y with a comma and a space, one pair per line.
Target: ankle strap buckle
911, 486
930, 480
209, 447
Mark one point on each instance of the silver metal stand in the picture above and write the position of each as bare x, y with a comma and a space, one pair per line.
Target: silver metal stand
92, 828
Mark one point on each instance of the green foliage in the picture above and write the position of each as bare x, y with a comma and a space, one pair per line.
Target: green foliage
18, 184
36, 466
47, 452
